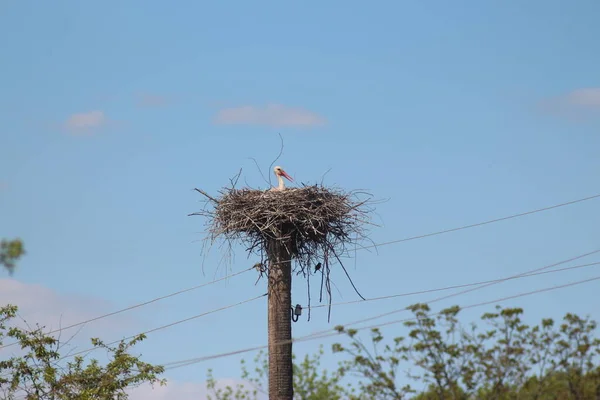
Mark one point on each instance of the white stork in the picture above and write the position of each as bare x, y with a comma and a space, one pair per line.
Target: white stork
279, 173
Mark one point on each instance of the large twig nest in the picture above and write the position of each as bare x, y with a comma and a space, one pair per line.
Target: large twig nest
314, 222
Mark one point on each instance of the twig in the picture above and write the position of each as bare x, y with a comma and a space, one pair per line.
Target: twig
260, 171
346, 272
206, 195
235, 178
277, 158
323, 177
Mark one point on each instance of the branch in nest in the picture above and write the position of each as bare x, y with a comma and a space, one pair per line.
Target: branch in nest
202, 192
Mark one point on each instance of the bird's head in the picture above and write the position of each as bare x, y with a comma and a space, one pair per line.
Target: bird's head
280, 172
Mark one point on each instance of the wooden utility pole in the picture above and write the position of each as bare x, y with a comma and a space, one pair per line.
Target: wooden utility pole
279, 320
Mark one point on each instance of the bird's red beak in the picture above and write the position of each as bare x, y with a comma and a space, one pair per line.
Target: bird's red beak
285, 175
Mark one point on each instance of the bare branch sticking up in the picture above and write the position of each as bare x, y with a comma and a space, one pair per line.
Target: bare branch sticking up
202, 192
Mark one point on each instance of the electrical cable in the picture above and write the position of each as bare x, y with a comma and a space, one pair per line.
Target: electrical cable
451, 287
481, 223
495, 282
319, 333
184, 363
138, 305
167, 325
363, 247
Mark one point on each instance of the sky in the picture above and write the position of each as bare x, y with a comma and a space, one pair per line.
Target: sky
453, 113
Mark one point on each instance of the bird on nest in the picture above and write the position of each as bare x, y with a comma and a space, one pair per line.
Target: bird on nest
280, 174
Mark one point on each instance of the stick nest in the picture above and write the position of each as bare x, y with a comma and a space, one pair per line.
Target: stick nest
314, 222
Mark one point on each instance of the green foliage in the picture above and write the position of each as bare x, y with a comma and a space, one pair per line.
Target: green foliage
442, 359
39, 374
378, 366
310, 382
509, 360
10, 252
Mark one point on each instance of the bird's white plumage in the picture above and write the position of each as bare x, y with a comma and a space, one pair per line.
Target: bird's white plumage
280, 174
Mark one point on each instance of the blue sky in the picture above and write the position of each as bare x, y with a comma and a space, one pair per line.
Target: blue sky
456, 112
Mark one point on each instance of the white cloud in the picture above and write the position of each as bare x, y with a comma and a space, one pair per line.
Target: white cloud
85, 122
576, 105
181, 390
40, 305
587, 97
152, 100
271, 115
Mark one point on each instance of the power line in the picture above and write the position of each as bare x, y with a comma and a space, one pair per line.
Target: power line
485, 303
309, 337
188, 362
363, 247
320, 334
452, 287
184, 363
482, 223
139, 305
325, 332
479, 287
168, 325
